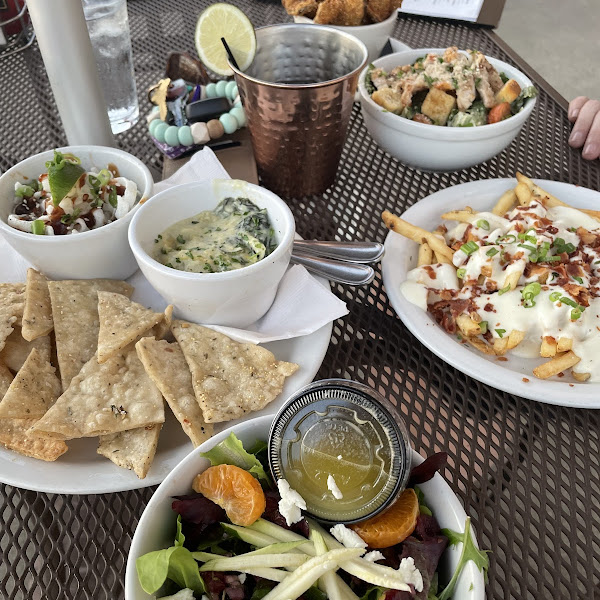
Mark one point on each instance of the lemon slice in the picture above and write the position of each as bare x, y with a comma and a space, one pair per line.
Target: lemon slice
223, 20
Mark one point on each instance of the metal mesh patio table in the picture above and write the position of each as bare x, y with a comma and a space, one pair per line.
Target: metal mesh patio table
527, 473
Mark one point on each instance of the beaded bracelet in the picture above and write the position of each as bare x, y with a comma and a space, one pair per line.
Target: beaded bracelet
201, 133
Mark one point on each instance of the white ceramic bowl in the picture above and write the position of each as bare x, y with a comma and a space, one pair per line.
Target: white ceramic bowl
233, 298
373, 36
432, 148
156, 528
100, 253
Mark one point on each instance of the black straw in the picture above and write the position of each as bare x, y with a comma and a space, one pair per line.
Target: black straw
230, 54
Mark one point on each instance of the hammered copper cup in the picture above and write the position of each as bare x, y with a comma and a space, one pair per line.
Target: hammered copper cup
297, 95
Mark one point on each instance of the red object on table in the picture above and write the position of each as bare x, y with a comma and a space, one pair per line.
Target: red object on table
9, 10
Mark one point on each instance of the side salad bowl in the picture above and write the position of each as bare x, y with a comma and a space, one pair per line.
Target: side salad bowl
439, 148
157, 525
234, 298
99, 253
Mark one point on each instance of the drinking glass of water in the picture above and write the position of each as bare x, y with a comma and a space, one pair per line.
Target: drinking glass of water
108, 27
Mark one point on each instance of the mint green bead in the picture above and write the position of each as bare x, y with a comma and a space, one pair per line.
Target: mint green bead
171, 136
159, 131
229, 122
239, 114
185, 135
229, 88
237, 104
153, 125
220, 87
211, 90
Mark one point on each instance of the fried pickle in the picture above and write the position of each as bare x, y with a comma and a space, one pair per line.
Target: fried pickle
301, 8
379, 10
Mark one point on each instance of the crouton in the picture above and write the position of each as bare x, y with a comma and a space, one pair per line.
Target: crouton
438, 105
509, 93
388, 99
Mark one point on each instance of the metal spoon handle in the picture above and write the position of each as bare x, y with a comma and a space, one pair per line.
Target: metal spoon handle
348, 273
359, 252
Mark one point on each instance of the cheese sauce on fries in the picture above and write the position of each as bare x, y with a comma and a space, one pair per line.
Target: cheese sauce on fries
526, 282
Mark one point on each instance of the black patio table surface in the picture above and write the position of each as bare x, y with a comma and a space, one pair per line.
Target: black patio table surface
528, 473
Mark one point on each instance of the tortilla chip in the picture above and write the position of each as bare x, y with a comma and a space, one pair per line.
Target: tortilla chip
12, 300
6, 378
230, 379
17, 349
105, 398
164, 327
121, 322
76, 323
33, 391
15, 434
37, 312
166, 366
133, 449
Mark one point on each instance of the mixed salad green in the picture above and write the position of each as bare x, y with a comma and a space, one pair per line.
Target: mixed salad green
213, 559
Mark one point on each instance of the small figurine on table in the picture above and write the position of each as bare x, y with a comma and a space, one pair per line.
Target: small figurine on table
189, 110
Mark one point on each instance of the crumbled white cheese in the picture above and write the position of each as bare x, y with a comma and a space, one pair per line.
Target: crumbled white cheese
339, 457
291, 503
242, 578
347, 537
410, 573
333, 488
184, 594
373, 556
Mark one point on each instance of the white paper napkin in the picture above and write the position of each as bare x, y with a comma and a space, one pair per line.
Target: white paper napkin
302, 304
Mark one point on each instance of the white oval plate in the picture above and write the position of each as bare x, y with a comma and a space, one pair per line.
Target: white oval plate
515, 375
82, 471
156, 527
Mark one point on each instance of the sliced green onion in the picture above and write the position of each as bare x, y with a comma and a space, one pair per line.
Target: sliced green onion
460, 273
534, 288
504, 290
112, 197
578, 280
104, 176
575, 314
180, 239
527, 247
500, 332
554, 296
551, 258
483, 224
469, 247
25, 191
38, 227
483, 325
509, 239
492, 252
529, 303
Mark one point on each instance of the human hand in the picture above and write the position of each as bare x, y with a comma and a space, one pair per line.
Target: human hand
585, 113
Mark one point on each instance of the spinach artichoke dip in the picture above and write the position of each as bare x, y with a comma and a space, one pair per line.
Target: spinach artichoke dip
234, 235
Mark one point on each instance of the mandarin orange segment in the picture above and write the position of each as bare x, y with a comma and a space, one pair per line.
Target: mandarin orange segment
392, 526
234, 490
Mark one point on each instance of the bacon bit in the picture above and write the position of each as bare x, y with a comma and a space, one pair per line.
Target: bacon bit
81, 180
56, 215
430, 271
489, 308
502, 358
552, 230
571, 385
525, 380
561, 374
